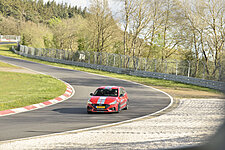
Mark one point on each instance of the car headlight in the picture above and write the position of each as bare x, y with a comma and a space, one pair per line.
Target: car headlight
113, 103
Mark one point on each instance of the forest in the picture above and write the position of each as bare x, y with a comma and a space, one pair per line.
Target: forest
190, 30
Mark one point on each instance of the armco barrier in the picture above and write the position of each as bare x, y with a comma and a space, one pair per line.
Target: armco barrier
28, 52
190, 68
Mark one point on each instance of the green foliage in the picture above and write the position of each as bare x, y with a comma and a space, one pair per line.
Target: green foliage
36, 35
52, 25
26, 39
48, 41
81, 44
38, 11
9, 26
54, 21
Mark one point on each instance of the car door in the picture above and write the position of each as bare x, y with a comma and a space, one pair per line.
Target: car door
123, 97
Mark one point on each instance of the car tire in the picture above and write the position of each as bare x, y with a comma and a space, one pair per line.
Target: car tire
119, 108
127, 106
89, 112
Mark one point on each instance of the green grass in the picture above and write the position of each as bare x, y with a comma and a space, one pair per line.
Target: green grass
20, 89
171, 85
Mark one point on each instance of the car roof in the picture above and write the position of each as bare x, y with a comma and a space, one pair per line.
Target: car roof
109, 87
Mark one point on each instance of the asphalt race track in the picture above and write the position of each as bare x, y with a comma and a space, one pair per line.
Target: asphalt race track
71, 114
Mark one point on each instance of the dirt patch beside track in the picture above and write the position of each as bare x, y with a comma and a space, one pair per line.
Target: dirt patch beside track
190, 93
5, 67
18, 70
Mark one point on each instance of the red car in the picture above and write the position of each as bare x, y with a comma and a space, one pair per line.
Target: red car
108, 99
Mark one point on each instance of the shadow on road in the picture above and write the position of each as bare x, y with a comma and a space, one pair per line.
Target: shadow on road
71, 110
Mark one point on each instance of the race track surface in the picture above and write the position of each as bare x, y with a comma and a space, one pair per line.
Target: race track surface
71, 114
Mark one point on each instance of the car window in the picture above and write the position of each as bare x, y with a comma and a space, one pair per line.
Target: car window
106, 92
122, 91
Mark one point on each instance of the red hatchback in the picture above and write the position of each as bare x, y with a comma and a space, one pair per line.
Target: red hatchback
108, 99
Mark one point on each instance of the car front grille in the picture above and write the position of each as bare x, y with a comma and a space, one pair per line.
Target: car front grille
95, 105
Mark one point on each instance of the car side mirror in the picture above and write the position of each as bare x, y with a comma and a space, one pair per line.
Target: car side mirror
121, 95
91, 94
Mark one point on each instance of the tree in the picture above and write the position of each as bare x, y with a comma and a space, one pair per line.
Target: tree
135, 22
9, 26
102, 25
129, 8
206, 22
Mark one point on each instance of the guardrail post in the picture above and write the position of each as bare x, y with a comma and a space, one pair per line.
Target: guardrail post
121, 61
176, 67
203, 75
38, 52
21, 48
64, 54
155, 65
94, 57
114, 60
32, 51
26, 50
73, 56
132, 63
141, 63
89, 57
124, 61
145, 64
220, 73
48, 52
107, 59
54, 54
100, 58
166, 66
129, 63
60, 54
138, 63
135, 63
189, 68
44, 52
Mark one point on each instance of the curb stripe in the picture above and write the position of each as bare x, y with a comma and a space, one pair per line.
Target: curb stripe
5, 112
30, 107
68, 93
18, 110
58, 99
47, 103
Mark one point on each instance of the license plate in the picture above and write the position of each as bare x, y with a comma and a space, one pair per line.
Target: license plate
100, 107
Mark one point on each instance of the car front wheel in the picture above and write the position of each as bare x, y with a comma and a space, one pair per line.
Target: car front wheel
127, 105
89, 112
119, 109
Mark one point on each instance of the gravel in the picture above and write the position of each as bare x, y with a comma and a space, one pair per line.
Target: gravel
192, 123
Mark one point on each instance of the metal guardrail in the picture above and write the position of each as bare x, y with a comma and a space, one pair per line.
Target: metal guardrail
175, 67
111, 64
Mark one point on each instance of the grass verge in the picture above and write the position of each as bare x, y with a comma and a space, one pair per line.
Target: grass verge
21, 89
175, 89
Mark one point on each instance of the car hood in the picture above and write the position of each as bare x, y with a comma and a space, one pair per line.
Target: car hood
102, 99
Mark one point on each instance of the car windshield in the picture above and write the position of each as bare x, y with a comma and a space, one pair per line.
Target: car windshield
106, 92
